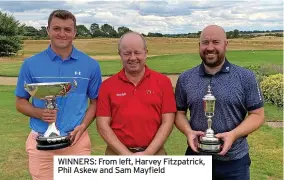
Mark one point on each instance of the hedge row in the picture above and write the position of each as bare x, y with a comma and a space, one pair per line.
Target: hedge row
270, 78
272, 89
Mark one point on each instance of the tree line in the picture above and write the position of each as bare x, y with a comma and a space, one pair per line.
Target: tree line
108, 31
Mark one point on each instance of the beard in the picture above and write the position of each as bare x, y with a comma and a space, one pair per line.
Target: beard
212, 58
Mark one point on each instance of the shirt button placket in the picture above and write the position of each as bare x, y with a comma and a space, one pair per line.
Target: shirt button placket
60, 68
60, 75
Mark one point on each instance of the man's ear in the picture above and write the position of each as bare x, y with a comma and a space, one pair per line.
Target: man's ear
75, 33
226, 43
47, 30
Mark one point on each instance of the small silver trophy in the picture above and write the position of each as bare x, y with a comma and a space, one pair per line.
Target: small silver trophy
209, 143
51, 139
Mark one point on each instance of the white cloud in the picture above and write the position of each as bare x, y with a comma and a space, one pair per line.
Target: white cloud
172, 16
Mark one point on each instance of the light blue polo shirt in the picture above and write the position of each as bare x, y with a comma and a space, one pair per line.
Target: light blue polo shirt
46, 66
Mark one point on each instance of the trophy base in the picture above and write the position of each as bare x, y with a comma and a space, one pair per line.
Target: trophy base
210, 147
52, 143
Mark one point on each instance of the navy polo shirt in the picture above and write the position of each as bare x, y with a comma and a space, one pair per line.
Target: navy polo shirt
46, 66
236, 91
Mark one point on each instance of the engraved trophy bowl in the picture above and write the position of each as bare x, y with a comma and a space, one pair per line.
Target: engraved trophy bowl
51, 139
209, 144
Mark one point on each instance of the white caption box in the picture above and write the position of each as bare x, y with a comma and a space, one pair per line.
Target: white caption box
132, 167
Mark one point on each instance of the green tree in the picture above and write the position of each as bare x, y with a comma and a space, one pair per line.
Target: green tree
43, 32
10, 43
21, 29
150, 34
95, 30
121, 30
236, 33
108, 31
229, 34
30, 31
82, 31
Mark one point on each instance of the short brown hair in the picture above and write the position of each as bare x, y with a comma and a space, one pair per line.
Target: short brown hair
61, 14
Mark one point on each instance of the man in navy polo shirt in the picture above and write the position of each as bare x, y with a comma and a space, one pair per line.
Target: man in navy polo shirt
237, 93
60, 62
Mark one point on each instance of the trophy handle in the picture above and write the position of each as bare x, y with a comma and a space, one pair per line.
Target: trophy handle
75, 84
67, 89
73, 87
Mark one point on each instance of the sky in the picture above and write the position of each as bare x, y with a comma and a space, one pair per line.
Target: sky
166, 17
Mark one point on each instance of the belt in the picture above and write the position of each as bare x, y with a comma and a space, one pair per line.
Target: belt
137, 149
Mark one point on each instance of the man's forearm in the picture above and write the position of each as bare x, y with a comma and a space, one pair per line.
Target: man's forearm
111, 139
162, 134
251, 123
26, 108
182, 123
89, 116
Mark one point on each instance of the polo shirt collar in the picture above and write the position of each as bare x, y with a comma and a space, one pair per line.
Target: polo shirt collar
122, 75
225, 68
52, 54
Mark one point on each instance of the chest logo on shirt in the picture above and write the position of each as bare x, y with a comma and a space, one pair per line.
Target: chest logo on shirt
149, 92
77, 73
121, 94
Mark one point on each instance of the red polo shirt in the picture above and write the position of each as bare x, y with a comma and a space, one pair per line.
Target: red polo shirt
136, 111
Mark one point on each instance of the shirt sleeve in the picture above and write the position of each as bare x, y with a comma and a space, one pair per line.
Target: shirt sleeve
95, 82
180, 95
24, 77
168, 99
254, 97
103, 103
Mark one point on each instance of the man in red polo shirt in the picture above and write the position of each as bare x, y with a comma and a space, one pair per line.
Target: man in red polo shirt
136, 107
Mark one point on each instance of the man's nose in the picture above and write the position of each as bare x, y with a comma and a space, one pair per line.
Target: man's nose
210, 47
132, 56
62, 32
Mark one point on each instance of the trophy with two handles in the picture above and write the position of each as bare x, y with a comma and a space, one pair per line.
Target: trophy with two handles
209, 144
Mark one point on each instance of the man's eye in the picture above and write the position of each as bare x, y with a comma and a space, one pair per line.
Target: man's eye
205, 42
126, 53
67, 30
216, 42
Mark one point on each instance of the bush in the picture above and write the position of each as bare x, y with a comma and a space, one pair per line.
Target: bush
257, 72
265, 70
10, 43
272, 89
270, 69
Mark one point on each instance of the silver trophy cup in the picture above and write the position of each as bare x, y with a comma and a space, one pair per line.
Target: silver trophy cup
51, 139
209, 143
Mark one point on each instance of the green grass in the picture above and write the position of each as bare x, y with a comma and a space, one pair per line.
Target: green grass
174, 64
266, 150
273, 113
266, 144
